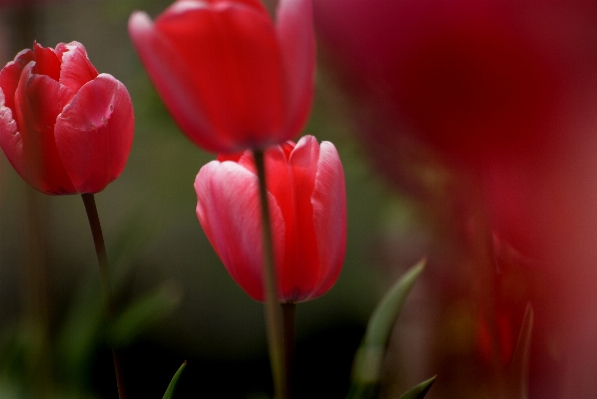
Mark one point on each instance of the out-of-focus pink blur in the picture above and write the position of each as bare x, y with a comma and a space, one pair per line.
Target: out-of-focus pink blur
502, 94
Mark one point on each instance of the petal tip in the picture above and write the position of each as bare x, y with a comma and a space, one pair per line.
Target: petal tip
139, 22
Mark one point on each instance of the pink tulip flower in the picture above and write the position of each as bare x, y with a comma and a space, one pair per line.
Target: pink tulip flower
230, 78
64, 128
307, 201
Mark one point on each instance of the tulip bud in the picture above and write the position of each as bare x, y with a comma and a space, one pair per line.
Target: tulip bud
229, 77
307, 201
64, 128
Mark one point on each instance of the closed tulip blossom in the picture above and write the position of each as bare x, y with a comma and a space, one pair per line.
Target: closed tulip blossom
229, 76
64, 128
307, 201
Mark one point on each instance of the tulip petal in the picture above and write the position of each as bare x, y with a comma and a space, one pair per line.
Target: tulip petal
329, 217
164, 67
294, 25
302, 273
228, 210
219, 71
94, 133
38, 101
76, 69
10, 76
11, 141
279, 185
46, 62
183, 5
278, 176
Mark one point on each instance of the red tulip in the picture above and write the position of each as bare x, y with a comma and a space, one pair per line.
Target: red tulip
64, 128
507, 90
231, 79
475, 80
307, 201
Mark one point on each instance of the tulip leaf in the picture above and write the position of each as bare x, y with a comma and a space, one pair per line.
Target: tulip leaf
366, 370
518, 368
387, 311
419, 391
170, 391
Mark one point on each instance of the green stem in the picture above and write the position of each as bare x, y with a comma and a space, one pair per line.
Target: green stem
102, 260
273, 313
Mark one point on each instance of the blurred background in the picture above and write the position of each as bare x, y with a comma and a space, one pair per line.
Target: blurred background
467, 131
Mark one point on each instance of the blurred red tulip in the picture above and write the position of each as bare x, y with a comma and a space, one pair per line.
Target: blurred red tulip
504, 94
231, 79
307, 200
64, 128
474, 79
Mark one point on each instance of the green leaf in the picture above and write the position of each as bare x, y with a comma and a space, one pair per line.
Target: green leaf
366, 370
419, 391
172, 385
370, 354
518, 369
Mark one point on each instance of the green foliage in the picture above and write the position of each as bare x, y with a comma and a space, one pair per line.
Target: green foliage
418, 391
170, 391
366, 371
34, 363
385, 315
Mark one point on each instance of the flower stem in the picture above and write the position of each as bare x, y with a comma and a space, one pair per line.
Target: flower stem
102, 260
273, 313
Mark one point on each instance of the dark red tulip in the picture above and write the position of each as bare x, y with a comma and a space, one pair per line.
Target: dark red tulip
307, 199
474, 79
230, 78
64, 128
505, 93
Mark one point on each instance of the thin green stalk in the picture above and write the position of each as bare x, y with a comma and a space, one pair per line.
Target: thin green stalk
102, 260
273, 313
